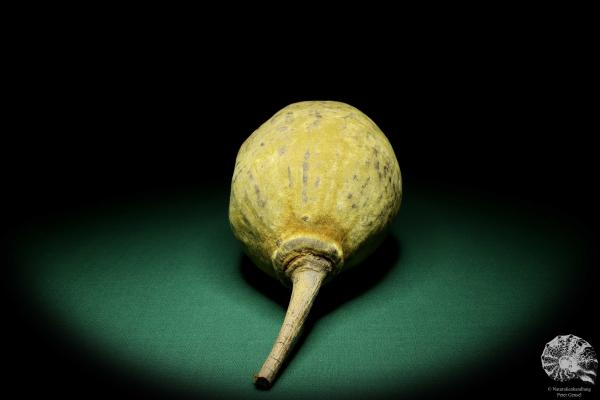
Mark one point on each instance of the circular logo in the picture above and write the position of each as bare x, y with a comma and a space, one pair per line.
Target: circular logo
569, 357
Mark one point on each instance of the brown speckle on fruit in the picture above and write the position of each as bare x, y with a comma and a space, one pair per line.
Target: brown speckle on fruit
289, 117
305, 176
364, 185
261, 202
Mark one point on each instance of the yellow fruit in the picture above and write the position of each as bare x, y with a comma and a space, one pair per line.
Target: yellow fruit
313, 191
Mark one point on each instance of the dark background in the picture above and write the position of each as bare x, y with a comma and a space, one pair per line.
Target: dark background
101, 119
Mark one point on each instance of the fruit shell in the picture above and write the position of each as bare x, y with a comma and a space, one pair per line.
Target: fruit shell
317, 177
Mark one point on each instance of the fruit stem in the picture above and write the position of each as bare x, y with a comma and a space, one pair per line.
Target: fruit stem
307, 278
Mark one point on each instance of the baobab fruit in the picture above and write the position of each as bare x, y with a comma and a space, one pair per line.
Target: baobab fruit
313, 192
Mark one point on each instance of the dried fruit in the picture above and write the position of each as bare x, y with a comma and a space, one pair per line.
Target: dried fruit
313, 192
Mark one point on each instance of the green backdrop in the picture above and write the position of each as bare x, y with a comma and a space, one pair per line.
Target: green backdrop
161, 289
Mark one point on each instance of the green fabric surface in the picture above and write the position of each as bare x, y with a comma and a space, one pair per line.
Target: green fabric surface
163, 290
